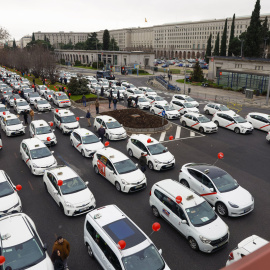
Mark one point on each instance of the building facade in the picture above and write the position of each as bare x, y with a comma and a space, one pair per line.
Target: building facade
24, 41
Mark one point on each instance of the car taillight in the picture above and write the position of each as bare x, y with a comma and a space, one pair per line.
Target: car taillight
231, 256
150, 193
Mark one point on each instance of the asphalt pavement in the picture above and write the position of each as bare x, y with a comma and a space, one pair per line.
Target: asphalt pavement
245, 158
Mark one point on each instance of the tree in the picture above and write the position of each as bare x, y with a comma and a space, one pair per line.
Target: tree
264, 36
113, 45
14, 46
45, 37
208, 49
223, 41
78, 87
253, 41
80, 46
33, 37
4, 34
197, 74
44, 43
235, 46
216, 50
231, 36
106, 40
92, 43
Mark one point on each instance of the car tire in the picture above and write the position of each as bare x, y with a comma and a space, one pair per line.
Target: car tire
130, 153
152, 112
83, 154
117, 186
155, 212
184, 124
89, 251
217, 123
237, 130
221, 209
46, 189
62, 130
207, 112
96, 169
184, 183
150, 165
62, 208
201, 130
193, 244
31, 169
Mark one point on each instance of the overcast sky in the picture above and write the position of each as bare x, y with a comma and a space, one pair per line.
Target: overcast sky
22, 17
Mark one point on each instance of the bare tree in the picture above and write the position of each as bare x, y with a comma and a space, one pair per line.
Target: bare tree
4, 34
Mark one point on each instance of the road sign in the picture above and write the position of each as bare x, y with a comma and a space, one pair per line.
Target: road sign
163, 113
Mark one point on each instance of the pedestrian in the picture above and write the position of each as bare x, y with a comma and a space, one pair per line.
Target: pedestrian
63, 88
61, 80
25, 117
129, 101
125, 100
65, 80
43, 81
88, 116
102, 91
32, 114
136, 101
118, 95
84, 100
143, 162
111, 93
35, 88
110, 101
97, 106
21, 94
34, 82
114, 103
3, 100
57, 260
63, 246
101, 133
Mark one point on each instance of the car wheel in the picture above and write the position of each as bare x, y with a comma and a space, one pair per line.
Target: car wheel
83, 154
96, 169
184, 123
72, 144
150, 165
130, 152
155, 212
237, 130
222, 209
62, 130
207, 112
193, 244
184, 183
31, 169
216, 122
90, 251
117, 186
201, 129
62, 208
152, 112
46, 189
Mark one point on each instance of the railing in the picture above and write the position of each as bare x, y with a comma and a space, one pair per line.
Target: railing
166, 84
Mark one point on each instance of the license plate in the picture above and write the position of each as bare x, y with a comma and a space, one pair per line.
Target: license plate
139, 186
169, 165
83, 209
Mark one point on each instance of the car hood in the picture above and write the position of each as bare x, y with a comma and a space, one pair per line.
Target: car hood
145, 103
162, 103
172, 112
44, 162
134, 177
164, 157
8, 201
192, 109
79, 198
15, 127
246, 125
46, 264
209, 124
94, 146
35, 98
26, 107
44, 105
116, 131
71, 125
43, 137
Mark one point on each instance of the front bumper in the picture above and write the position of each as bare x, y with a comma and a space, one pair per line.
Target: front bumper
80, 210
15, 133
133, 188
164, 166
40, 171
236, 212
246, 131
61, 105
43, 109
118, 137
212, 130
14, 209
214, 245
173, 116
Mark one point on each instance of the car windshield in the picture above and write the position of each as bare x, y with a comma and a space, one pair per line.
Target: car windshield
189, 99
125, 166
68, 119
120, 88
224, 108
157, 149
31, 95
42, 102
132, 86
169, 108
27, 90
146, 259
159, 98
112, 125
224, 182
201, 214
188, 105
49, 92
149, 90
62, 97
3, 109
72, 185
142, 99
22, 103
239, 119
138, 92
203, 119
23, 255
40, 153
12, 122
5, 189
42, 87
90, 139
43, 130
93, 81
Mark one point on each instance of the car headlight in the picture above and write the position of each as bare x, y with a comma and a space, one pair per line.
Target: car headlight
68, 204
125, 182
204, 240
242, 126
156, 161
34, 165
17, 204
233, 205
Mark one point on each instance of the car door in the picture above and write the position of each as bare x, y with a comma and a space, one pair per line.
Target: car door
222, 120
101, 164
77, 141
263, 123
195, 180
188, 119
98, 122
3, 124
195, 122
178, 106
178, 217
110, 172
135, 148
25, 154
208, 188
32, 130
230, 122
49, 183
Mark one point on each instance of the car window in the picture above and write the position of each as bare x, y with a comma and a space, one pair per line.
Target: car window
206, 181
103, 159
109, 165
197, 175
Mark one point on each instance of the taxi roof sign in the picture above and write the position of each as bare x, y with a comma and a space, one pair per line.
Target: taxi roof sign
36, 145
190, 197
60, 173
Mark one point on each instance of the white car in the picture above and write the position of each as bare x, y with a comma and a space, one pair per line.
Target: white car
233, 122
259, 121
72, 196
230, 198
19, 236
10, 201
32, 97
7, 93
170, 112
113, 129
133, 92
183, 107
41, 130
185, 98
104, 85
42, 105
148, 91
95, 89
60, 99
119, 170
20, 105
212, 108
65, 120
121, 89
190, 214
3, 110
142, 103
158, 157
11, 98
199, 122
37, 156
27, 91
245, 247
85, 141
156, 100
48, 94
41, 89
12, 125
107, 93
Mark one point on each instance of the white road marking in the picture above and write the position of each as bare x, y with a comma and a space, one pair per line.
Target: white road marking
178, 131
81, 116
192, 134
162, 136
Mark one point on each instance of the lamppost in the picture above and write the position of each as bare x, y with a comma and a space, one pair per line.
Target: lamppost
264, 51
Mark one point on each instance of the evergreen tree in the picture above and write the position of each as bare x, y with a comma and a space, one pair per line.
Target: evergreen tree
92, 43
33, 37
216, 50
14, 44
45, 38
197, 74
106, 40
208, 49
253, 41
113, 45
264, 36
223, 41
236, 46
231, 36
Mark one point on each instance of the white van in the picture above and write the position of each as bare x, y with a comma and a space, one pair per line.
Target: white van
105, 227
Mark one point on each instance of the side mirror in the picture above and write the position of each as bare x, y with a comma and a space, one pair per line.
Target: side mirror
211, 189
55, 192
160, 251
53, 130
136, 164
45, 247
184, 222
52, 152
86, 183
214, 208
100, 139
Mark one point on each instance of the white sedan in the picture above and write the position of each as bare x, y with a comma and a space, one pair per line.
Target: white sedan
212, 108
185, 98
148, 91
168, 111
183, 107
259, 121
42, 105
3, 110
12, 125
48, 94
156, 100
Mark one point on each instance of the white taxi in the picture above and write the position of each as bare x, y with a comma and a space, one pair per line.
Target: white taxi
10, 201
190, 214
32, 97
183, 107
199, 122
119, 170
42, 105
147, 91
68, 190
156, 100
37, 156
133, 92
12, 125
142, 102
218, 188
212, 108
233, 122
259, 121
185, 98
169, 111
113, 129
20, 105
158, 157
85, 141
41, 89
65, 120
61, 99
3, 110
11, 99
41, 130
48, 94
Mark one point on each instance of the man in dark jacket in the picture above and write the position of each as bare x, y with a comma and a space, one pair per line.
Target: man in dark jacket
110, 101
84, 100
136, 101
118, 95
143, 162
25, 116
129, 101
88, 116
63, 246
102, 91
101, 133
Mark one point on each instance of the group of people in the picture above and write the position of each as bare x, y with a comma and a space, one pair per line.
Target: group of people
60, 253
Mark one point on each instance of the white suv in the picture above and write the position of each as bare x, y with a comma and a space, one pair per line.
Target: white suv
12, 125
190, 214
105, 227
260, 121
65, 120
185, 98
20, 105
61, 99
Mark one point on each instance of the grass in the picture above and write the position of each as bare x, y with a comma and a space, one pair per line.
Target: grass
74, 98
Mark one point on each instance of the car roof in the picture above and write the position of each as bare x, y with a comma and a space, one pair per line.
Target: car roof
39, 123
216, 104
20, 99
195, 114
143, 138
83, 131
33, 143
113, 154
106, 118
63, 172
41, 99
252, 243
10, 116
64, 112
230, 113
260, 114
184, 96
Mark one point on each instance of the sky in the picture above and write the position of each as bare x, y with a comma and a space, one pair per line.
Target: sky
23, 17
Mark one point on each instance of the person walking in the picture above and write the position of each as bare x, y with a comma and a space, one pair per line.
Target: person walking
118, 95
63, 246
129, 101
84, 100
125, 100
97, 106
111, 94
114, 103
110, 101
57, 260
34, 82
136, 101
3, 100
88, 116
25, 117
35, 88
32, 115
143, 162
102, 91
101, 133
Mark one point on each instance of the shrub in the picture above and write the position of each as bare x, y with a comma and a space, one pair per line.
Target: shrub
77, 63
62, 61
78, 87
100, 65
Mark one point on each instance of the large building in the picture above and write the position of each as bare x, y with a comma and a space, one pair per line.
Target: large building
181, 39
24, 41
